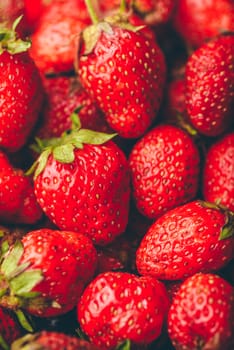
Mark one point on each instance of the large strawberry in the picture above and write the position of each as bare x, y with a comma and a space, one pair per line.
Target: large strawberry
82, 184
51, 341
218, 172
197, 21
21, 93
18, 203
164, 166
209, 78
45, 273
194, 237
201, 314
54, 40
117, 306
124, 71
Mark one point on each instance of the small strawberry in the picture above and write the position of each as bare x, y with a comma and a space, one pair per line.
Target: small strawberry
200, 20
63, 96
164, 166
54, 40
124, 71
201, 314
82, 184
21, 92
209, 79
117, 306
51, 341
194, 237
18, 203
9, 328
218, 172
45, 273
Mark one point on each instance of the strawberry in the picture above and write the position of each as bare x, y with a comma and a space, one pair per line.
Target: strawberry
201, 313
9, 328
51, 341
209, 86
218, 174
197, 21
124, 71
63, 96
18, 203
194, 237
117, 306
82, 184
54, 40
45, 273
21, 91
164, 167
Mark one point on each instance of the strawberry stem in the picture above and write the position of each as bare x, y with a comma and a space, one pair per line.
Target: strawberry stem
122, 8
91, 11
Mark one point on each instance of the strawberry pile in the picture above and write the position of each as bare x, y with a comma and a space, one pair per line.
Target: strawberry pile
117, 174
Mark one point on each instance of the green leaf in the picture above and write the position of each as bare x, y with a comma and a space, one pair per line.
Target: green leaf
25, 323
92, 137
126, 345
64, 153
3, 344
41, 162
11, 261
25, 282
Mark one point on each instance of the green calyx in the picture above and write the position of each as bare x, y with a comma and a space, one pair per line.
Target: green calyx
62, 148
28, 342
9, 40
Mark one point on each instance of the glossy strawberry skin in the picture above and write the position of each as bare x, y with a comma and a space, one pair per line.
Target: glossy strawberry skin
125, 74
63, 96
52, 341
117, 305
62, 256
218, 174
184, 241
21, 99
164, 166
201, 20
209, 78
201, 313
89, 195
54, 40
18, 202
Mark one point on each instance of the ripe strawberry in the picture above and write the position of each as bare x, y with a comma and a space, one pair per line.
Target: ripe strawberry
117, 306
45, 273
197, 21
65, 95
51, 341
209, 86
18, 203
194, 237
124, 71
9, 328
218, 173
164, 166
21, 91
201, 313
82, 184
54, 40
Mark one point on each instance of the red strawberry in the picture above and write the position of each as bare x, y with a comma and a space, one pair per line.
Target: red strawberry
64, 96
117, 306
9, 328
194, 237
201, 314
21, 91
164, 166
18, 203
124, 72
82, 184
209, 86
54, 40
218, 173
44, 273
51, 341
200, 20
